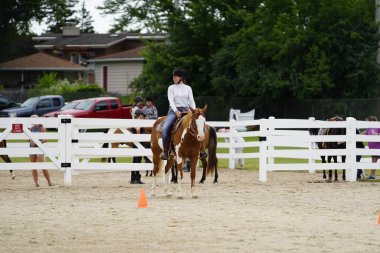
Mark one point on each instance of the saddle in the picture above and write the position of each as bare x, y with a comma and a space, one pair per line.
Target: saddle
175, 126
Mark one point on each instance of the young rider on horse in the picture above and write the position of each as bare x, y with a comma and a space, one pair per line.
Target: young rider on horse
180, 98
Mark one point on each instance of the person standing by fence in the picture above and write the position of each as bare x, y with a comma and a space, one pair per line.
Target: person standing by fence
373, 145
38, 157
135, 175
150, 109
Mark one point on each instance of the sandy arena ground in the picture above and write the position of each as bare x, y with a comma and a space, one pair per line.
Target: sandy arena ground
99, 214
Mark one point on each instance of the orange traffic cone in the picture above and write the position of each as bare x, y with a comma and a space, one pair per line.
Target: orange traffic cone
142, 200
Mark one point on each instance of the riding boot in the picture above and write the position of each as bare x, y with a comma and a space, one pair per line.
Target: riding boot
138, 178
203, 154
165, 153
133, 177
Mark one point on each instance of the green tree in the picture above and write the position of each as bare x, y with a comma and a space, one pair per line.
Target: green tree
85, 20
60, 13
302, 49
15, 20
274, 49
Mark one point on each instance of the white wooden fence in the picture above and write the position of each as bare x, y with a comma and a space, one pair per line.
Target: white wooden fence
70, 149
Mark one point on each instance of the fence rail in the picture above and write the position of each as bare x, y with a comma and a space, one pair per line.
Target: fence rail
71, 149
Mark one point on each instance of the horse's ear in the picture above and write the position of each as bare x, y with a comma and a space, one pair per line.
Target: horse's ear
204, 108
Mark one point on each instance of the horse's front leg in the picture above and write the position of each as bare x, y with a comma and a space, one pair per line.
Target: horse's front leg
168, 166
157, 166
193, 169
179, 180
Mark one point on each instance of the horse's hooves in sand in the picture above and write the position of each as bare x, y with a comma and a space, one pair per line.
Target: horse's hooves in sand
215, 181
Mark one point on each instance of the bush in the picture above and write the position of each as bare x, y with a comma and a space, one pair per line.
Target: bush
48, 84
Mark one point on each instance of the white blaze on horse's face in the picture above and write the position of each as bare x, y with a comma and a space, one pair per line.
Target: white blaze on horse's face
200, 127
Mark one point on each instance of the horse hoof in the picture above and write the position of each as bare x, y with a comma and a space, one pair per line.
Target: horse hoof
215, 181
201, 182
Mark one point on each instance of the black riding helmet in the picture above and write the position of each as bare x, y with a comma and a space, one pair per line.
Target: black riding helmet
179, 72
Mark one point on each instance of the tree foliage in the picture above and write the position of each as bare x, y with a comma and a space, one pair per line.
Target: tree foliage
60, 13
264, 48
85, 20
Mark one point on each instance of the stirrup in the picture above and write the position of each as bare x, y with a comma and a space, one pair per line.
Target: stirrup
164, 155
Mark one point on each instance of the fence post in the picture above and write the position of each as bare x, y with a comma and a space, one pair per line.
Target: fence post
270, 127
231, 161
351, 149
65, 128
263, 151
311, 153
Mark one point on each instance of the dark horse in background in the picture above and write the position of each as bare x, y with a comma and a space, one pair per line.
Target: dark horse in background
335, 145
3, 144
211, 162
331, 145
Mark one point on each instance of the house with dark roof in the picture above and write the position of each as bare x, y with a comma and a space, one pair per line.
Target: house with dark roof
24, 71
110, 60
113, 60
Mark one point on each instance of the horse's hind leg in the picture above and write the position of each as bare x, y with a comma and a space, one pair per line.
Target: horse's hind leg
344, 171
174, 179
204, 166
216, 173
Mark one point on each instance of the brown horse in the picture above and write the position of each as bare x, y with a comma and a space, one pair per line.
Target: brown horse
208, 164
3, 144
187, 138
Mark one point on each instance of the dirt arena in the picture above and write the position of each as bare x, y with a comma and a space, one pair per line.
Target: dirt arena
99, 214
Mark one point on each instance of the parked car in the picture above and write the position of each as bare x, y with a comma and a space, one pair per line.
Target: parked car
35, 105
102, 107
6, 103
67, 106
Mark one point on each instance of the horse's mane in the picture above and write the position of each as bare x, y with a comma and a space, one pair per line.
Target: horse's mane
187, 119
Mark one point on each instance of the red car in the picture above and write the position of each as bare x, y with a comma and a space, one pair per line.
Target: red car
102, 107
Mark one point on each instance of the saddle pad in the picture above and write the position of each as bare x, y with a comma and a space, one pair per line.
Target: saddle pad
175, 125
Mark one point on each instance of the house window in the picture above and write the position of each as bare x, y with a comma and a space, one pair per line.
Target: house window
74, 58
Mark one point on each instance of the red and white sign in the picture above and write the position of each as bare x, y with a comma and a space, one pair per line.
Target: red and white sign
17, 128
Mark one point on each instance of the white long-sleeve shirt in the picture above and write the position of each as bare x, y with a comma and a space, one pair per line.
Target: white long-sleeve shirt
180, 95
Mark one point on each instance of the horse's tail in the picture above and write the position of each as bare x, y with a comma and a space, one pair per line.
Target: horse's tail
212, 144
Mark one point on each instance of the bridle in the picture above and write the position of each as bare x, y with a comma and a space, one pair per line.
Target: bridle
191, 129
